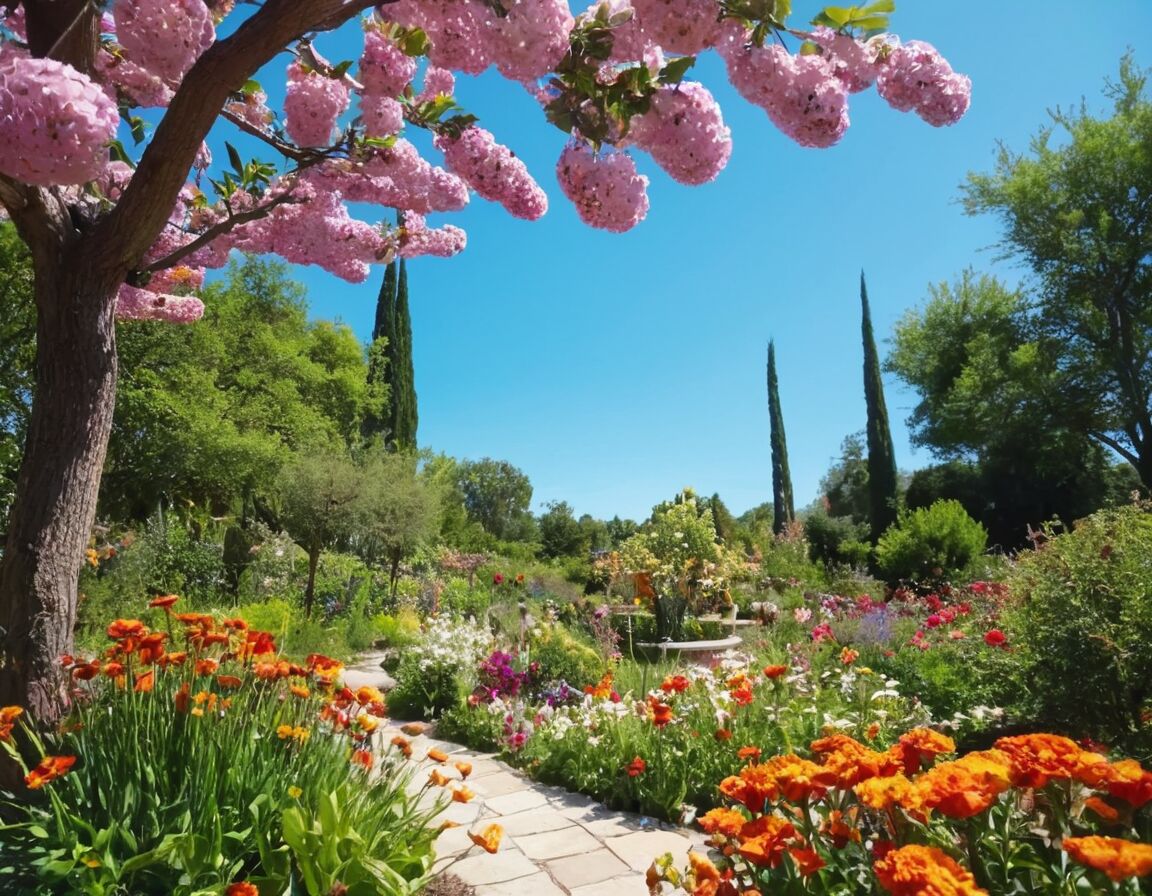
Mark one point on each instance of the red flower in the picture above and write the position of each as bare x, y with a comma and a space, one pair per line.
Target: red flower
243, 888
49, 769
995, 638
164, 601
636, 767
774, 671
497, 579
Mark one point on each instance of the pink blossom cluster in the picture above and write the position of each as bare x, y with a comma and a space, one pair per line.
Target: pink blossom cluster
400, 177
385, 69
494, 172
313, 105
55, 122
14, 20
253, 109
380, 115
630, 43
855, 63
417, 238
140, 86
801, 94
165, 37
679, 26
133, 303
525, 43
437, 82
916, 77
685, 133
606, 189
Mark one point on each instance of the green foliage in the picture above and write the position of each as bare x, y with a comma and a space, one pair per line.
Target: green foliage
931, 543
836, 539
1081, 627
496, 495
209, 414
784, 510
564, 657
460, 600
561, 535
234, 779
17, 356
845, 485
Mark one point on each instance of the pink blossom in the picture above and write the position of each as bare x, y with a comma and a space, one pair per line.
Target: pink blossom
802, 614
916, 77
854, 62
382, 116
133, 303
385, 69
437, 82
494, 172
420, 239
140, 86
164, 36
461, 34
253, 109
679, 26
55, 122
313, 105
605, 187
532, 38
685, 133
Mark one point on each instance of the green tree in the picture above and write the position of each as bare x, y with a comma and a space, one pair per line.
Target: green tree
1077, 210
497, 496
207, 415
376, 425
561, 534
403, 402
989, 397
845, 485
320, 506
400, 510
17, 356
882, 483
783, 507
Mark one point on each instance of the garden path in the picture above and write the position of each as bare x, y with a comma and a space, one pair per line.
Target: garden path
556, 843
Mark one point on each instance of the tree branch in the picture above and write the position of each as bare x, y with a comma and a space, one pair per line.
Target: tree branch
1105, 439
216, 230
131, 227
288, 150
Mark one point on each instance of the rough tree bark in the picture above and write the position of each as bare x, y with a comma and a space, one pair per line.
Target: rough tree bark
81, 254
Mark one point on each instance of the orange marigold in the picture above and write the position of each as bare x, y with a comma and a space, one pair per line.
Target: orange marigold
126, 628
807, 860
852, 762
764, 840
962, 788
920, 745
883, 793
1117, 858
1105, 811
799, 779
917, 870
839, 831
1130, 782
164, 601
727, 822
49, 769
1038, 758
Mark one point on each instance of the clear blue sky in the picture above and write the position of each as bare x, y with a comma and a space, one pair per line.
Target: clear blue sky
616, 369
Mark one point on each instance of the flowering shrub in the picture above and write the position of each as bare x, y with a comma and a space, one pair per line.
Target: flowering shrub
436, 673
688, 731
931, 543
195, 757
1023, 817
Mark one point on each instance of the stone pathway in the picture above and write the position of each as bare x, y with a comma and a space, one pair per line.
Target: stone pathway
556, 843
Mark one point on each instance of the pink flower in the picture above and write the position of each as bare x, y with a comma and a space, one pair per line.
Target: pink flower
605, 187
313, 105
685, 133
494, 172
934, 620
497, 578
165, 37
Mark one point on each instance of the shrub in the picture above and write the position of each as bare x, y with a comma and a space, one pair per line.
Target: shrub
1081, 626
564, 657
931, 543
436, 673
835, 539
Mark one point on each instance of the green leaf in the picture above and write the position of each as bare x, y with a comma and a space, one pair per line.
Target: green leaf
234, 158
117, 152
674, 71
338, 71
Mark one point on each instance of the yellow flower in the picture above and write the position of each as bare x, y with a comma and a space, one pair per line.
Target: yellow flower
294, 792
284, 731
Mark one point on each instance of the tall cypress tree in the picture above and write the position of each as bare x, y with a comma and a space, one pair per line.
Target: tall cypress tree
377, 421
405, 417
783, 509
881, 456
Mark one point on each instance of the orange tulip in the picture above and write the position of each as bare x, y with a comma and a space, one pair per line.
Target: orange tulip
489, 838
465, 768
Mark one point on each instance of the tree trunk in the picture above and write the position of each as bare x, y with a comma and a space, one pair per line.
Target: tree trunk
310, 588
55, 503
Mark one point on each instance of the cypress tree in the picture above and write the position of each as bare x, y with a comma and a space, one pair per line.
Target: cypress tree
405, 417
881, 456
377, 420
783, 509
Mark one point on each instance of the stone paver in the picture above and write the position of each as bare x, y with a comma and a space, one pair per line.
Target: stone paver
555, 843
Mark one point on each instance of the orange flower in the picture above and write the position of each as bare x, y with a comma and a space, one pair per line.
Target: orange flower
920, 745
1037, 758
438, 778
723, 734
86, 671
195, 620
145, 682
915, 870
178, 658
774, 671
1101, 808
660, 713
727, 822
962, 788
180, 698
8, 717
752, 753
838, 831
402, 744
49, 769
368, 694
1117, 858
465, 768
602, 690
703, 871
363, 759
462, 794
799, 779
299, 690
742, 693
126, 628
206, 666
1131, 783
113, 670
489, 838
228, 681
636, 767
164, 601
852, 762
151, 647
242, 888
848, 656
324, 667
675, 684
883, 793
415, 729
873, 731
807, 860
237, 624
437, 755
764, 840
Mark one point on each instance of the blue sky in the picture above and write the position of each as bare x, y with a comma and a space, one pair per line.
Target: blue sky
616, 369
